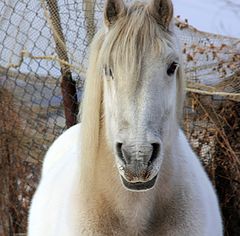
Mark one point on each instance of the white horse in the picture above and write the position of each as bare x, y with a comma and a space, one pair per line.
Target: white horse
128, 168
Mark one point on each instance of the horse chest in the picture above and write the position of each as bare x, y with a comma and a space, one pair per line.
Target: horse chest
132, 219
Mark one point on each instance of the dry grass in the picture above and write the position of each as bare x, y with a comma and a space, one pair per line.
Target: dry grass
213, 128
25, 136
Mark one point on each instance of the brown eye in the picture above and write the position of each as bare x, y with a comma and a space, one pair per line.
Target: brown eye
172, 68
108, 72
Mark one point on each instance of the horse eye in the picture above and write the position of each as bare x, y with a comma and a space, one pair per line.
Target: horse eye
172, 68
108, 72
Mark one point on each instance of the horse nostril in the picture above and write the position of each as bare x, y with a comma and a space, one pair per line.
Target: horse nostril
119, 152
155, 152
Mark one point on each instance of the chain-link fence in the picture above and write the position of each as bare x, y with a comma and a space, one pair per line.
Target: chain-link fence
43, 51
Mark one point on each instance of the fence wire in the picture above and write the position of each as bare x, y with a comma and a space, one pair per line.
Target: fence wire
43, 51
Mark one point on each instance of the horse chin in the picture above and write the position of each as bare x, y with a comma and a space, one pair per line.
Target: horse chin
139, 186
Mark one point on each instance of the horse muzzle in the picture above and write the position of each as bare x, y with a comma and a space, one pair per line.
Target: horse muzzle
137, 165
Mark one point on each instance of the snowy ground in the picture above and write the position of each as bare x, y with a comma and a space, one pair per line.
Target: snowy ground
215, 16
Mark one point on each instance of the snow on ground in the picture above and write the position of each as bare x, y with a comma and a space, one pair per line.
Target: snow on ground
215, 16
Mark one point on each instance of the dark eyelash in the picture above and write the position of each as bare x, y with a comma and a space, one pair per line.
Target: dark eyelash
172, 68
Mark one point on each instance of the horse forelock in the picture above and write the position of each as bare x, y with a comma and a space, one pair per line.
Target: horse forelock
132, 37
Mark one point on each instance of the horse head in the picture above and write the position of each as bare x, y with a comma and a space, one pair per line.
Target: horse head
142, 87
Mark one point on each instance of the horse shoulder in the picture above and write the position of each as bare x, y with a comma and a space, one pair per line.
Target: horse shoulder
69, 140
202, 197
50, 210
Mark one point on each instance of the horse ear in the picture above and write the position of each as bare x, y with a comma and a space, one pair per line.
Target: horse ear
113, 10
162, 11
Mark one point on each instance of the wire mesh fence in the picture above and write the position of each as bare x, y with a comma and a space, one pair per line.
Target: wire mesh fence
44, 47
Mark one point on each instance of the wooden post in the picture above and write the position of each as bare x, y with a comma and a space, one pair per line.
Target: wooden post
68, 85
89, 12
